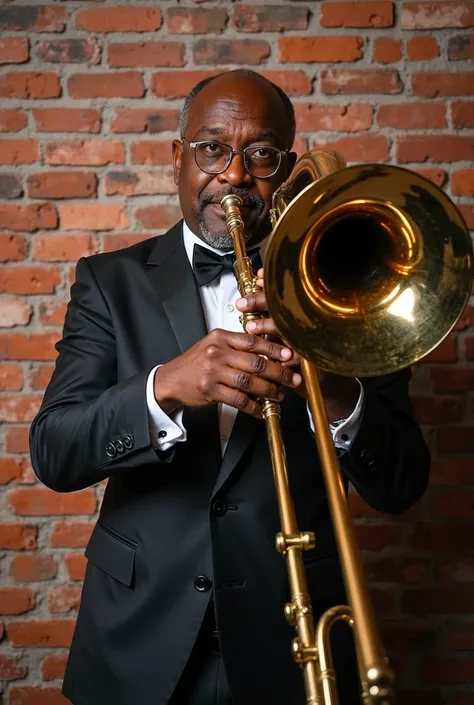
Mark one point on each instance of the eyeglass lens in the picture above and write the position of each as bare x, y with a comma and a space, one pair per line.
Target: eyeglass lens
213, 157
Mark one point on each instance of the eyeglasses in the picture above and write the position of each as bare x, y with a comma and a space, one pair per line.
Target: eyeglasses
214, 158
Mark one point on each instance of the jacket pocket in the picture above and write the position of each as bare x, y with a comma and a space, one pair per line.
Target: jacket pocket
112, 553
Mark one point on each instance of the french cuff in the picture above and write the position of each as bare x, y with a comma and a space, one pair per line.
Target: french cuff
165, 430
344, 430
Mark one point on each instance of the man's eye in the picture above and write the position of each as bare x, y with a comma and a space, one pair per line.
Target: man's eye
262, 153
211, 148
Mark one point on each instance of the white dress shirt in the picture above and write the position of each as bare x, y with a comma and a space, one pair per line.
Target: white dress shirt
218, 301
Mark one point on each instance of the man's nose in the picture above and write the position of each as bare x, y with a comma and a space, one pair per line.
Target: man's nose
236, 173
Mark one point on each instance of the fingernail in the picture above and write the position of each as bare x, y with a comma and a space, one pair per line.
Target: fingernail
251, 325
286, 353
241, 302
296, 380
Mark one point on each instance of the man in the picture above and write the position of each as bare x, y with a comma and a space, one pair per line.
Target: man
155, 389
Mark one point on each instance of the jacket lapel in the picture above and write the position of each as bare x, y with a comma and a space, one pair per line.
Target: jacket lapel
173, 279
243, 432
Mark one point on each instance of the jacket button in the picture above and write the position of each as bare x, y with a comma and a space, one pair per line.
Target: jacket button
219, 508
110, 450
119, 446
202, 584
128, 442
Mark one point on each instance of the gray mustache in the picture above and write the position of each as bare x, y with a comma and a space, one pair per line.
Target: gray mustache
250, 200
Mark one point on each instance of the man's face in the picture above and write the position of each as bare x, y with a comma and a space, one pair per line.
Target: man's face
239, 111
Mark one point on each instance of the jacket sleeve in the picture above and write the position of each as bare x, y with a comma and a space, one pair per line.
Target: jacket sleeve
388, 462
89, 425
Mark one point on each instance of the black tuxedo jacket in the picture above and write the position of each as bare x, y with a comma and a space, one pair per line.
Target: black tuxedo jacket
172, 525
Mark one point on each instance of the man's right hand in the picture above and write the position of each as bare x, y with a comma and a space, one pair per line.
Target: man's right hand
228, 368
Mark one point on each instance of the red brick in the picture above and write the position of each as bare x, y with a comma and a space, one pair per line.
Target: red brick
17, 537
14, 312
35, 346
29, 84
29, 280
117, 241
149, 120
445, 148
10, 469
62, 185
441, 537
446, 351
33, 695
454, 504
357, 14
467, 213
437, 84
84, 153
422, 48
375, 537
404, 635
268, 18
119, 19
15, 151
11, 378
39, 376
452, 380
11, 669
397, 570
52, 313
146, 54
459, 637
361, 148
195, 20
93, 216
438, 600
12, 120
387, 50
292, 82
412, 116
436, 176
320, 49
158, 217
67, 119
437, 15
12, 248
63, 248
48, 633
16, 600
165, 84
382, 600
65, 598
33, 18
128, 183
456, 570
126, 84
229, 51
148, 152
353, 81
71, 534
461, 698
75, 566
53, 667
437, 410
312, 117
452, 440
30, 217
462, 114
17, 441
27, 567
14, 50
69, 51
447, 670
461, 47
19, 409
40, 501
462, 183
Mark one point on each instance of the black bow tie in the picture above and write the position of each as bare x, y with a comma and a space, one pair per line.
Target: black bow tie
209, 265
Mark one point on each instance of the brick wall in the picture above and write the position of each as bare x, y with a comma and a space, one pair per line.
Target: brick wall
90, 94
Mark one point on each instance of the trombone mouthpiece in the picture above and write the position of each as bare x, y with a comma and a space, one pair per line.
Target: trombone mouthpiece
232, 200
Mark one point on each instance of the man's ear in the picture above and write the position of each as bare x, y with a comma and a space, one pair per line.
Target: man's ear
177, 148
292, 157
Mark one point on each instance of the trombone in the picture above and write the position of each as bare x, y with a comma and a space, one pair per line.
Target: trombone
368, 269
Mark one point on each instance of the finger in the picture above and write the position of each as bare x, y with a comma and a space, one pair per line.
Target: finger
238, 400
247, 342
263, 326
252, 302
251, 366
250, 384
